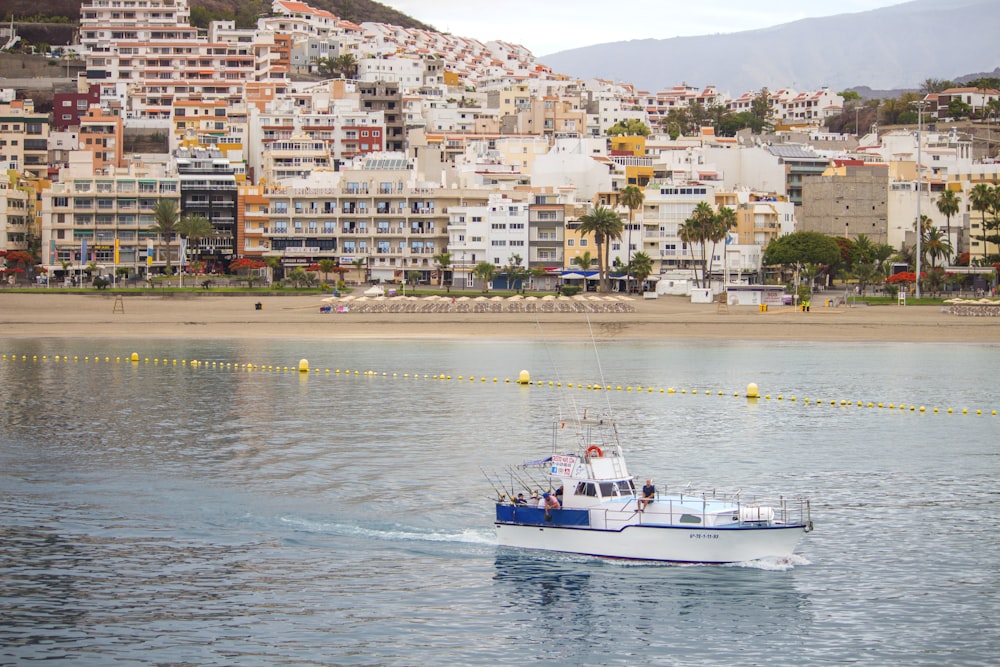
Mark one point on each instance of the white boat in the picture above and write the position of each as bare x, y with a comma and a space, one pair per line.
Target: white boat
601, 514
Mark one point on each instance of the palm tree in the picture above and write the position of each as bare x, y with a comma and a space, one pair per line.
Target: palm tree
981, 198
443, 261
701, 231
324, 66
722, 223
936, 246
583, 261
641, 267
948, 205
327, 265
273, 265
605, 225
485, 271
631, 198
359, 264
690, 233
165, 220
925, 227
194, 228
346, 65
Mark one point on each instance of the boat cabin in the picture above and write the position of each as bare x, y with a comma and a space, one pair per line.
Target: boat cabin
588, 493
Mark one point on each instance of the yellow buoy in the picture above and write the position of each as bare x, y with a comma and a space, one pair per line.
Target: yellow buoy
752, 390
524, 377
303, 365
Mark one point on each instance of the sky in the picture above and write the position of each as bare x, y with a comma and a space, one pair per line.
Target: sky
549, 26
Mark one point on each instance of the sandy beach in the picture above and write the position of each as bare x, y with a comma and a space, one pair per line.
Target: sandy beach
38, 315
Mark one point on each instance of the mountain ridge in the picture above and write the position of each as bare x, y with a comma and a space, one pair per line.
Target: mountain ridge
873, 48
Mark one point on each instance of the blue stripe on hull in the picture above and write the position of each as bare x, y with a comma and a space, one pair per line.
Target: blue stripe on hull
532, 516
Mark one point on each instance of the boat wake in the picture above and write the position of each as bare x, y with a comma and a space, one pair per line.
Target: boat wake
773, 564
392, 533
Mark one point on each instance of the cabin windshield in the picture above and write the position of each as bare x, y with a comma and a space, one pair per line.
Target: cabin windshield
618, 488
622, 487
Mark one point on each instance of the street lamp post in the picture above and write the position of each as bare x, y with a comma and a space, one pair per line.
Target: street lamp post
920, 223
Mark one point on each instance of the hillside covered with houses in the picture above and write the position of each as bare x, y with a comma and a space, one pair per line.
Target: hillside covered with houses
404, 153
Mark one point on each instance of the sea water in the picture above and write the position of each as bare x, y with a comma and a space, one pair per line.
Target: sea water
235, 511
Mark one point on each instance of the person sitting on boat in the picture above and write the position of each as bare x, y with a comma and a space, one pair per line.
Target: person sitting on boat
520, 500
559, 493
648, 494
537, 501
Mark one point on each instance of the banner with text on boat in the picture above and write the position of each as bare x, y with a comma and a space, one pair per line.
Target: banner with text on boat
562, 466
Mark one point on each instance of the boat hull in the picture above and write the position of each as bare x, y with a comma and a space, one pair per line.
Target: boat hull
678, 544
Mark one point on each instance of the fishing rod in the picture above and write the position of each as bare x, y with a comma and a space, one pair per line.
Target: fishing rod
500, 493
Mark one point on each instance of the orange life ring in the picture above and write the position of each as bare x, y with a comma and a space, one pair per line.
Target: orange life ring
594, 450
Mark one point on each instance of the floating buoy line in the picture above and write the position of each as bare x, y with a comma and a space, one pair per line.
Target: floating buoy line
523, 379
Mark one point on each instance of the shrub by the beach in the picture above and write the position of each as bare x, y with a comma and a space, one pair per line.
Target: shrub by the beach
101, 283
569, 290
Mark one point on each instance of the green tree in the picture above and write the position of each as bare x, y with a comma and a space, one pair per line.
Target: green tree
326, 265
516, 273
485, 271
359, 264
641, 267
959, 109
761, 108
324, 65
584, 261
413, 278
194, 228
948, 205
722, 223
981, 198
677, 122
165, 220
443, 261
800, 250
299, 277
605, 225
935, 86
274, 269
346, 66
630, 127
698, 229
936, 246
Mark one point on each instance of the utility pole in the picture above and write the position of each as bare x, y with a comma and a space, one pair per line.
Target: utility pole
920, 223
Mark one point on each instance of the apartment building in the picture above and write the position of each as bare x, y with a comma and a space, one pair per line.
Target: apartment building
375, 211
979, 100
848, 199
387, 98
16, 215
209, 189
102, 134
253, 205
144, 54
665, 208
24, 139
69, 108
108, 218
493, 233
548, 214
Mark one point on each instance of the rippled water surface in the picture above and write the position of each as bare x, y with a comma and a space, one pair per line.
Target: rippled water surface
170, 513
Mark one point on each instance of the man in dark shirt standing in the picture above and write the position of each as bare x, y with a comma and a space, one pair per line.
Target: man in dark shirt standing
648, 494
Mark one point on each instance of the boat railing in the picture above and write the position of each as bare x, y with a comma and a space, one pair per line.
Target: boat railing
696, 509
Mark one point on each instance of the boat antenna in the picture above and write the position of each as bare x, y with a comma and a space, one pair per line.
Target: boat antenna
555, 368
600, 369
